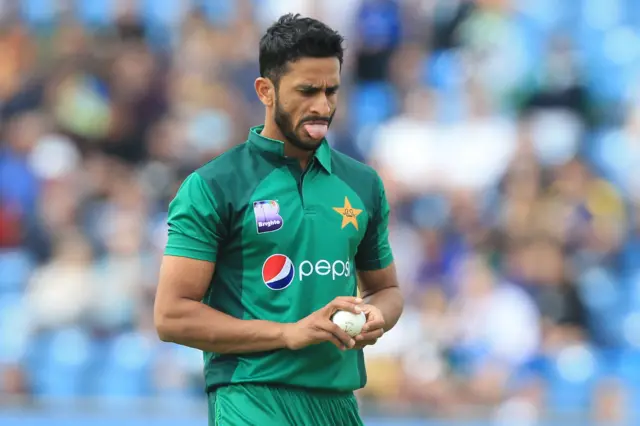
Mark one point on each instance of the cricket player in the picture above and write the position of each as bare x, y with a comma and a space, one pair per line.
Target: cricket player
270, 239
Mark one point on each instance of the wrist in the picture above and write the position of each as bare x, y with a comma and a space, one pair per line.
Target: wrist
283, 335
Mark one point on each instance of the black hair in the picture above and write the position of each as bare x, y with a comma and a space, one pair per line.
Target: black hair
293, 37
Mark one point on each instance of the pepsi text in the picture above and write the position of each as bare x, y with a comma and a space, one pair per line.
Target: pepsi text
323, 267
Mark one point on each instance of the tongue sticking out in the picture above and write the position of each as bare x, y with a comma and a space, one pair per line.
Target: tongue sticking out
316, 131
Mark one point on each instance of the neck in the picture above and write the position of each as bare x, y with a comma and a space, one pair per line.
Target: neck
272, 131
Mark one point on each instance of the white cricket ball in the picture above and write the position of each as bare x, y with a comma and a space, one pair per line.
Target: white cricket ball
351, 323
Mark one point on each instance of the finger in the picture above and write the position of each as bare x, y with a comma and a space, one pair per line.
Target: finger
372, 335
346, 303
373, 324
325, 336
349, 299
339, 333
342, 335
343, 305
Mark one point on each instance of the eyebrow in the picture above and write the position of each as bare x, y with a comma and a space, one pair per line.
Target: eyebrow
311, 87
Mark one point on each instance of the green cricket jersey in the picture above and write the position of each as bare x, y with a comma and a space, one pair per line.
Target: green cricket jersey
285, 242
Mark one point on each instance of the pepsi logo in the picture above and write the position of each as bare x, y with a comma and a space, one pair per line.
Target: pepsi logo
278, 272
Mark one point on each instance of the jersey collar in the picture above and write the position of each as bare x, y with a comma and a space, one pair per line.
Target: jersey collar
263, 143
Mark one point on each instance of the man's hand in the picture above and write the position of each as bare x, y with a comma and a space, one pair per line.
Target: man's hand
318, 327
373, 329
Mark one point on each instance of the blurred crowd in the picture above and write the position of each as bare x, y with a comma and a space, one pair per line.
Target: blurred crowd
507, 133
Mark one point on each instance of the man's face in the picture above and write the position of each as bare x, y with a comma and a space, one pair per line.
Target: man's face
306, 100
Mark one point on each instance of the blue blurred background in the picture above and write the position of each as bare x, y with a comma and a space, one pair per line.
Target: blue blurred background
508, 136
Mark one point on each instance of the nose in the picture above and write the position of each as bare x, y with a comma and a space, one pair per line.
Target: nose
321, 105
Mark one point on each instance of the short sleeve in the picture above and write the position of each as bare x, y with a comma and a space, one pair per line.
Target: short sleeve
195, 228
374, 251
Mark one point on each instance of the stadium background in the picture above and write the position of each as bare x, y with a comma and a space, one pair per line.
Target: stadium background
507, 133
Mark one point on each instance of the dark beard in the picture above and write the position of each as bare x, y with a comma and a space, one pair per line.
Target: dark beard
285, 124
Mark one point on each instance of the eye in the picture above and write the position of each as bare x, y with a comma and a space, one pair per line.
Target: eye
332, 91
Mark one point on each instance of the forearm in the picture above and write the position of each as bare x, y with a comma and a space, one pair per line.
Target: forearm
194, 324
390, 302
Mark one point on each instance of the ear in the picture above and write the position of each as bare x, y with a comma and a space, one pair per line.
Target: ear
265, 91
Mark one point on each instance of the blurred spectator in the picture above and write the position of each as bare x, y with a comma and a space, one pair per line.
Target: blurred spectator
563, 315
20, 186
496, 331
617, 153
378, 34
497, 47
557, 84
413, 168
56, 295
